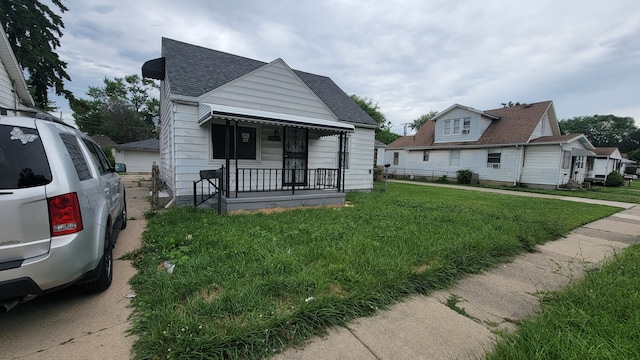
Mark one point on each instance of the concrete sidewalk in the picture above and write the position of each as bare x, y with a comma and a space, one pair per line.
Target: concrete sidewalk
423, 327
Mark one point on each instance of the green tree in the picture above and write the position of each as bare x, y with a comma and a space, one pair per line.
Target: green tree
604, 130
383, 132
634, 155
417, 123
510, 104
123, 109
34, 30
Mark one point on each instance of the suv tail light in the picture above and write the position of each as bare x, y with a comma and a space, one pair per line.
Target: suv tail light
64, 214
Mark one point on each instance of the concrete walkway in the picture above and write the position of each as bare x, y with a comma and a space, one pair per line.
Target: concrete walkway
423, 327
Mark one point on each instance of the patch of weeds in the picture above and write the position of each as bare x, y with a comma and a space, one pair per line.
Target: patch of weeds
452, 303
150, 213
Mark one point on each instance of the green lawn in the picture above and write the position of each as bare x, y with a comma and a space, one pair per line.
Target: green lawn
626, 193
597, 318
247, 286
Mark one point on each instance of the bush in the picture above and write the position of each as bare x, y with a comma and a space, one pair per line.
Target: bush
614, 179
442, 179
464, 176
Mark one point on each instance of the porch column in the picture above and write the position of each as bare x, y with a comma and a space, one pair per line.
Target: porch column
227, 155
340, 158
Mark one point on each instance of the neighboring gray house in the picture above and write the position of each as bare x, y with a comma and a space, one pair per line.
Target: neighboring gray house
15, 99
276, 136
138, 156
505, 146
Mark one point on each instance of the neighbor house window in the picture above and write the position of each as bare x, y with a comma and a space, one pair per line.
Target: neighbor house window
245, 141
566, 159
494, 156
425, 155
447, 127
457, 126
454, 157
396, 158
466, 125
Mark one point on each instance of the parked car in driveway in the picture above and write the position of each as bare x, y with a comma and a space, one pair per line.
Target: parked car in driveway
62, 206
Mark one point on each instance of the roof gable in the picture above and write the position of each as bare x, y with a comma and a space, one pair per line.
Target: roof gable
273, 87
193, 71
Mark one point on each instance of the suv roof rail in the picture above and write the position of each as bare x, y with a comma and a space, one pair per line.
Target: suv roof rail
44, 116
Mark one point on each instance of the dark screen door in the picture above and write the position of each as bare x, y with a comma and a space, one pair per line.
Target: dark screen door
295, 156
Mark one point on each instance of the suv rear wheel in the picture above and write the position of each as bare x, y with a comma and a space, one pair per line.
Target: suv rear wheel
106, 269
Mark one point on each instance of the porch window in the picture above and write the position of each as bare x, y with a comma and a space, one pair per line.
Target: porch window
245, 138
425, 155
580, 162
566, 159
454, 157
494, 156
396, 158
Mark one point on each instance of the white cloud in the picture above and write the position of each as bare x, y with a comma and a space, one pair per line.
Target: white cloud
410, 56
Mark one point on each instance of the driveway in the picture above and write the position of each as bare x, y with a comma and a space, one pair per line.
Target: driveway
72, 325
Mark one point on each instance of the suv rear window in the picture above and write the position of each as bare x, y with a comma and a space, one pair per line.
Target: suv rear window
23, 162
82, 169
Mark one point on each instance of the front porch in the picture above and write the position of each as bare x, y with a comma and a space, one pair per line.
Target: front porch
253, 189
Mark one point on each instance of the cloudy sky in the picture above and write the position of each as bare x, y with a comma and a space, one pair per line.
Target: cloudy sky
410, 57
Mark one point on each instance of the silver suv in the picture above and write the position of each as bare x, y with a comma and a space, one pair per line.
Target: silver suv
61, 208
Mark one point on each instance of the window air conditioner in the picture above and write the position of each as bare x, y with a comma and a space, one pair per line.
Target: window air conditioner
465, 131
496, 166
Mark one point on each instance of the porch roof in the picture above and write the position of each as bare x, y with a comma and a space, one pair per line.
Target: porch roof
207, 111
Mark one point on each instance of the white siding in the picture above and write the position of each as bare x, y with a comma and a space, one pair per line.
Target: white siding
542, 166
273, 88
543, 128
478, 126
411, 164
166, 137
359, 175
6, 87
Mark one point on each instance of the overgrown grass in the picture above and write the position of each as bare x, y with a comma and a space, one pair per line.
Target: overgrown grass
597, 318
247, 286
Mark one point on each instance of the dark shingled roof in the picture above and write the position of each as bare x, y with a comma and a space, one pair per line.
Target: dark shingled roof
514, 126
194, 70
104, 140
605, 151
145, 145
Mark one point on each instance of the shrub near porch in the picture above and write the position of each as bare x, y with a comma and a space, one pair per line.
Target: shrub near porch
250, 285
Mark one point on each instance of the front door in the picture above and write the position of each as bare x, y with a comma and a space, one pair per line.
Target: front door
295, 156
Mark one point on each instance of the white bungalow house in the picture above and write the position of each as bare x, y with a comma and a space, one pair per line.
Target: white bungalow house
606, 160
506, 146
256, 134
15, 99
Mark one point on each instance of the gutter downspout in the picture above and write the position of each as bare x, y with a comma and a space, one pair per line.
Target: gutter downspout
518, 172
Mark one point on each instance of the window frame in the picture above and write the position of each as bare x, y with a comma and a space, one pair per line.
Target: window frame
396, 157
236, 132
455, 163
425, 155
494, 156
566, 159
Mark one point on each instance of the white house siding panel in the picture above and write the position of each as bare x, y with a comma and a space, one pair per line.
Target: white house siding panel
543, 128
166, 136
541, 164
359, 175
475, 131
6, 87
273, 88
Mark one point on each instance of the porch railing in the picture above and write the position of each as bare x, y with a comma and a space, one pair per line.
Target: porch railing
261, 180
215, 182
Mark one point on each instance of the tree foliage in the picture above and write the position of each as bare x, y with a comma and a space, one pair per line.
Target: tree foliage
123, 109
604, 130
383, 132
422, 119
34, 30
